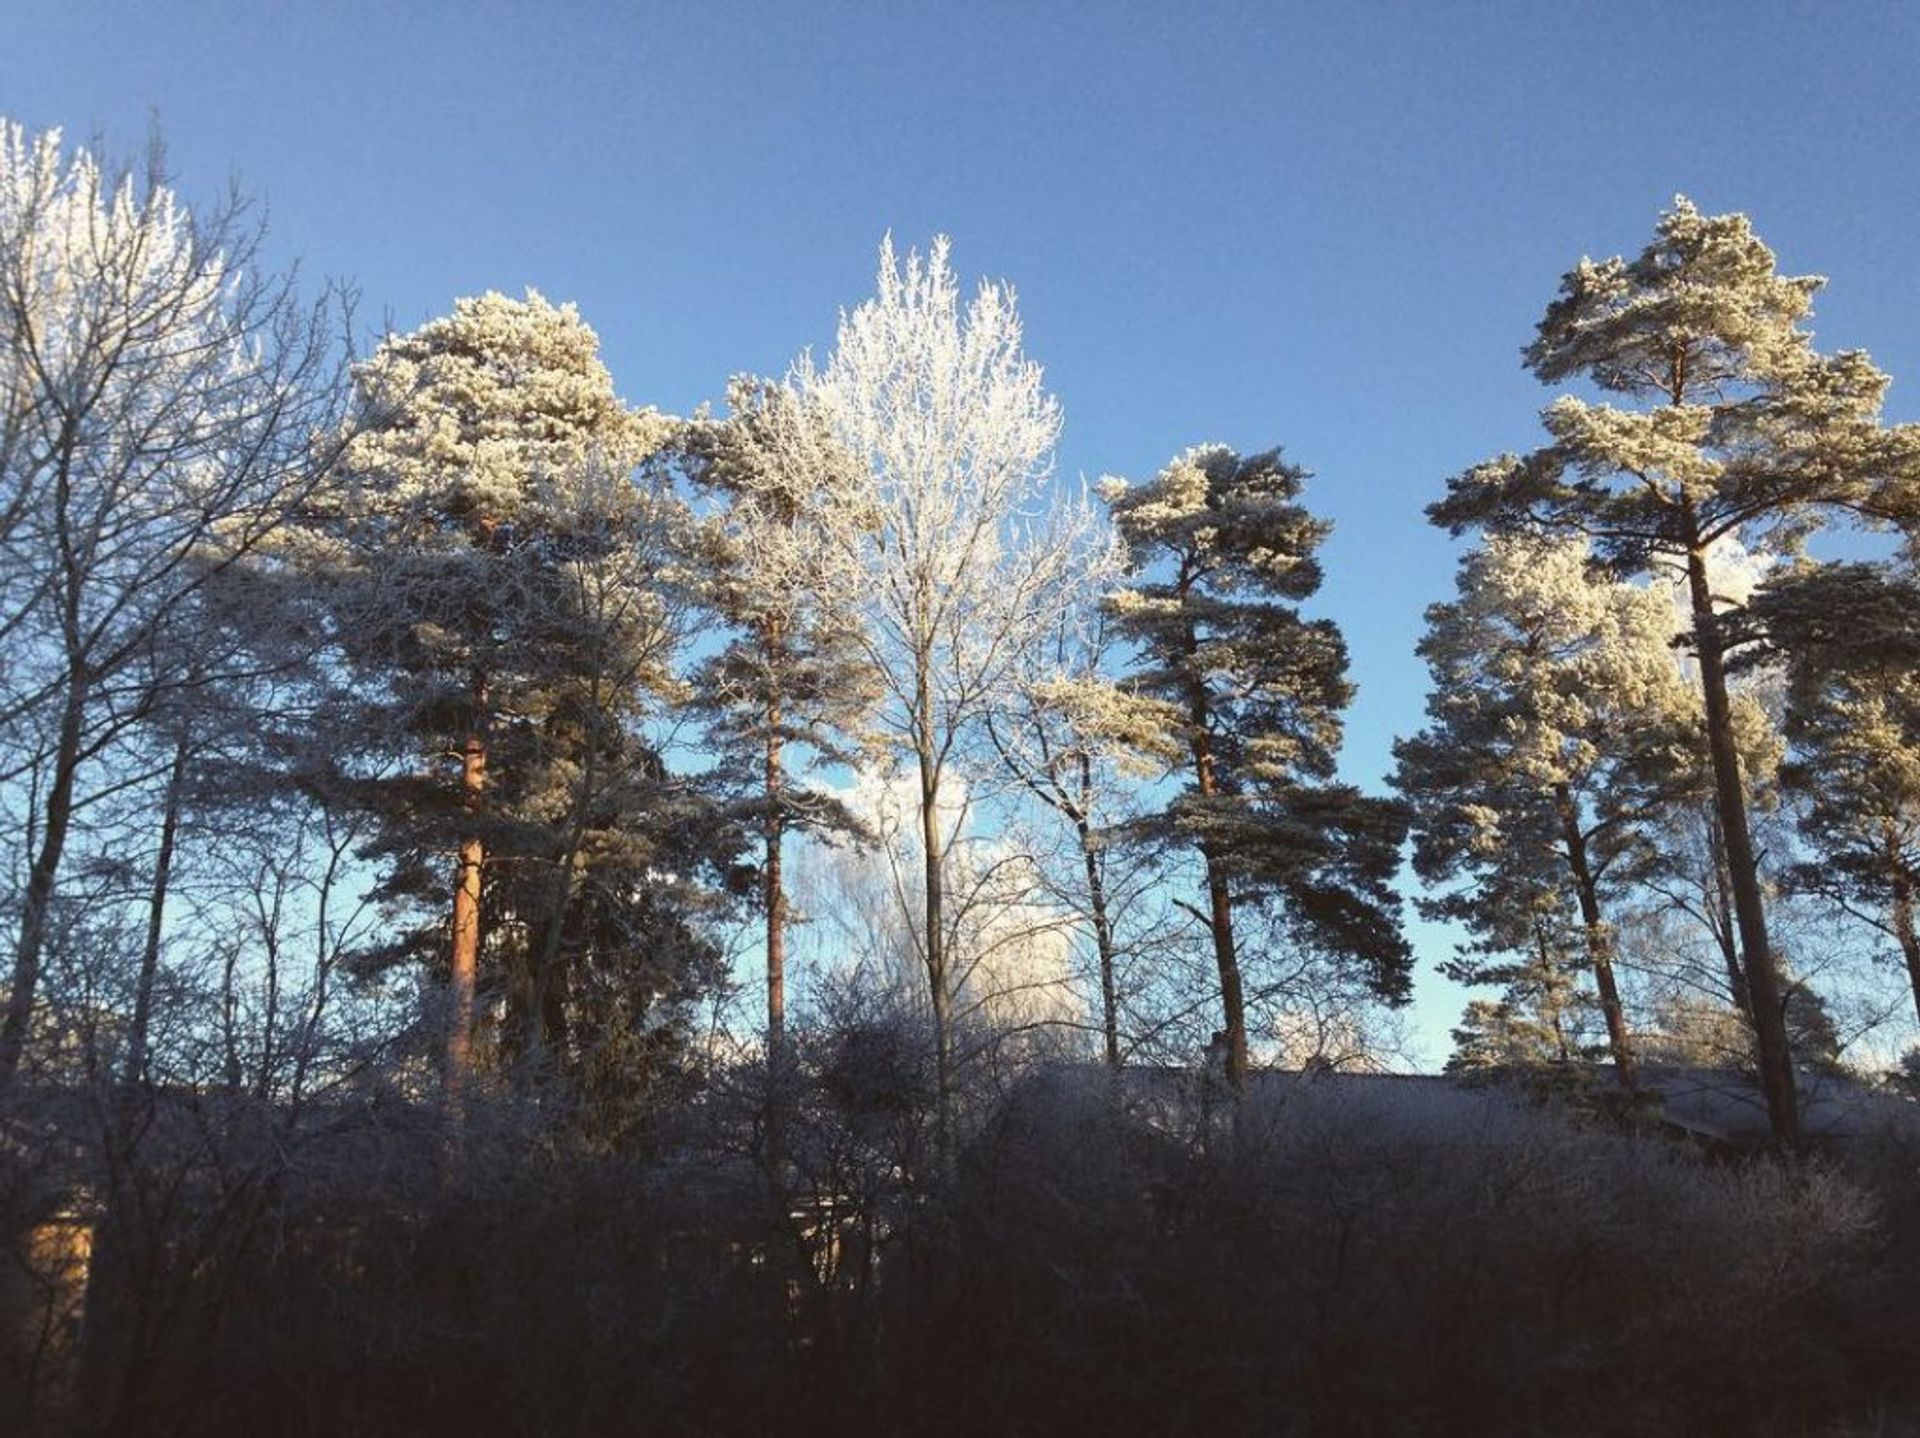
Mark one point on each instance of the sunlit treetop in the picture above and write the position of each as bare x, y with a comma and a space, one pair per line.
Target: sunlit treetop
1742, 427
477, 411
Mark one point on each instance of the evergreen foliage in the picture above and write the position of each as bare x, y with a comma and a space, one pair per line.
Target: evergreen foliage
400, 763
501, 578
1849, 635
794, 676
1559, 725
1221, 556
1743, 431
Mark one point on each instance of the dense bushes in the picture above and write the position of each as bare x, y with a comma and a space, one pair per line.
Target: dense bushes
1365, 1255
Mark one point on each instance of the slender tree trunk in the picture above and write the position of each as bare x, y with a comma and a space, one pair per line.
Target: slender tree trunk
466, 901
776, 897
935, 938
938, 980
1220, 909
270, 1018
1551, 997
775, 900
1102, 940
556, 999
37, 904
323, 961
1206, 779
1233, 1004
1903, 921
134, 1071
1598, 936
1723, 925
544, 1027
109, 1303
233, 1071
1743, 870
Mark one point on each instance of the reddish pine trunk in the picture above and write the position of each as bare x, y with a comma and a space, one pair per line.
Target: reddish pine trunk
1723, 925
1219, 902
466, 904
1220, 911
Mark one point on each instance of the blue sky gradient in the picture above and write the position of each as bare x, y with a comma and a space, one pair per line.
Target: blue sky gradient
1326, 227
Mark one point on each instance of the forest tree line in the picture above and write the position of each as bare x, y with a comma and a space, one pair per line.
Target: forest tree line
420, 718
506, 702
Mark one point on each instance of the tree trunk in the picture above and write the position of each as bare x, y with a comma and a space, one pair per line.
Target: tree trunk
233, 1072
1723, 925
1220, 909
1599, 937
466, 903
545, 1025
1903, 923
936, 957
935, 946
1743, 870
323, 961
1233, 1004
1206, 779
776, 897
109, 1305
37, 904
1550, 996
775, 892
1102, 941
542, 1026
134, 1071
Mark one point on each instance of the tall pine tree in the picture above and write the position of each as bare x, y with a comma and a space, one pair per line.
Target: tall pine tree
1731, 424
502, 596
1559, 724
1849, 635
1221, 557
794, 677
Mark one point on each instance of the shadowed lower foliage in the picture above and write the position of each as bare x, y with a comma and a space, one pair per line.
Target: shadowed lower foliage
1368, 1256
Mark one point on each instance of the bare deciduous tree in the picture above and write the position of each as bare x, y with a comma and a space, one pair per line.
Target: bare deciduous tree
161, 393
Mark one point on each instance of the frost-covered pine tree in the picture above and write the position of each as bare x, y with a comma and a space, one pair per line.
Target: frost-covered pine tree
500, 587
1559, 724
1729, 424
1534, 1023
1221, 555
1849, 636
795, 676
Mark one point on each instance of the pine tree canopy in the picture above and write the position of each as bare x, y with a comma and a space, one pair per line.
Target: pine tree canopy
1753, 433
1221, 555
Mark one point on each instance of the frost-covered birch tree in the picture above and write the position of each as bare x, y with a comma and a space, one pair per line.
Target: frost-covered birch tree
1729, 424
956, 432
1079, 746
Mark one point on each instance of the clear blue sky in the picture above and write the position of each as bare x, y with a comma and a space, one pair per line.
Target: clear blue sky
1330, 227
